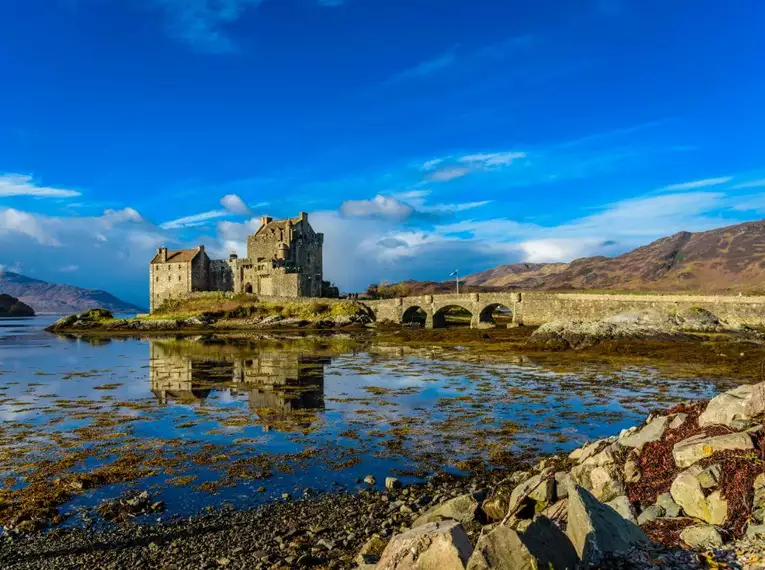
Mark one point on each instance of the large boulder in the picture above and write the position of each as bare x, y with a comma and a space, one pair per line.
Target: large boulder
541, 545
652, 431
701, 537
735, 408
537, 490
462, 509
596, 529
687, 492
561, 335
442, 545
693, 449
697, 319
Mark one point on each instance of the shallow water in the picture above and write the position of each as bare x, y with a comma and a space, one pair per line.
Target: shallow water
206, 421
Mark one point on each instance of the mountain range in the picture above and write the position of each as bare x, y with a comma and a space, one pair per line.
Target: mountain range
724, 260
52, 298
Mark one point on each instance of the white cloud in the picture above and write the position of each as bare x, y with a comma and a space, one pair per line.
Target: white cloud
431, 164
21, 223
750, 184
561, 249
23, 185
379, 206
424, 68
202, 23
699, 183
232, 237
234, 204
449, 168
195, 220
82, 246
448, 173
453, 208
493, 158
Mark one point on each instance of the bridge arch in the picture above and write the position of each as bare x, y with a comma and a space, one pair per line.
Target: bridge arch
414, 314
452, 314
496, 314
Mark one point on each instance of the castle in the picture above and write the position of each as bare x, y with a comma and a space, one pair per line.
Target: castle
284, 259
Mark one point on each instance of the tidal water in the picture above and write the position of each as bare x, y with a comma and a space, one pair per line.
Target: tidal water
206, 421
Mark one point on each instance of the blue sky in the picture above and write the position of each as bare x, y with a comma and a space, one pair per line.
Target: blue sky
421, 135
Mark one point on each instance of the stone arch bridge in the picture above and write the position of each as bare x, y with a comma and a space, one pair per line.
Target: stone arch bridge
481, 307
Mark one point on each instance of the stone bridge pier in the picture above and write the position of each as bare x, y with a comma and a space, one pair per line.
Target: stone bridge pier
481, 307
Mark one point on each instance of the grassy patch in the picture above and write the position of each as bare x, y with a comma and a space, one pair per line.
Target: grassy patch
226, 306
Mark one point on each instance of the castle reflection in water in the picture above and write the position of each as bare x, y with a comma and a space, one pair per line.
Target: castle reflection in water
277, 383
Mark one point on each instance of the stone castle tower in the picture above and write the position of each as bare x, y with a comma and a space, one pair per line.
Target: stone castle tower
284, 259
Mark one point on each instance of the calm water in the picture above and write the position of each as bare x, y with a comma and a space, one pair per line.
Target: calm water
200, 422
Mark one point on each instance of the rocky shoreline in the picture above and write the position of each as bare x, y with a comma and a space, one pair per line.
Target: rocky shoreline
686, 489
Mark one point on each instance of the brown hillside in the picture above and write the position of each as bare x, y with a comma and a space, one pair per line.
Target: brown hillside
730, 259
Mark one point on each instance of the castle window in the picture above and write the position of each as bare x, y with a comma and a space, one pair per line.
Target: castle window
179, 278
157, 279
169, 278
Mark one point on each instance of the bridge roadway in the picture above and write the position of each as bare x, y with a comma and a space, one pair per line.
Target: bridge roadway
481, 306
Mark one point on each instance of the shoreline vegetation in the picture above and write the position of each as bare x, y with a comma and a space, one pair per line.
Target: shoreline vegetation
684, 489
693, 337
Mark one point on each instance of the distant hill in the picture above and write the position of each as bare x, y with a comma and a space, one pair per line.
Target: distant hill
724, 260
52, 298
12, 307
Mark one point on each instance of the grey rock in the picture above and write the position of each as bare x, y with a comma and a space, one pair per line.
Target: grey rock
687, 492
650, 513
443, 545
540, 545
631, 471
693, 449
392, 483
622, 505
666, 502
462, 509
735, 408
677, 420
701, 537
709, 478
562, 483
652, 431
596, 529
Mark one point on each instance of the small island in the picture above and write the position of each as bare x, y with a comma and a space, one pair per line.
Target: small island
12, 307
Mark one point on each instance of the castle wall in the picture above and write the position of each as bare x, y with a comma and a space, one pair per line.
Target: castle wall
221, 275
169, 281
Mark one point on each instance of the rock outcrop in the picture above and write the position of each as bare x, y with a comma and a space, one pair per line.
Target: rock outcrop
436, 545
674, 476
12, 307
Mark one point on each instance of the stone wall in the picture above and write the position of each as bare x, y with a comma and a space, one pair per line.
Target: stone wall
537, 308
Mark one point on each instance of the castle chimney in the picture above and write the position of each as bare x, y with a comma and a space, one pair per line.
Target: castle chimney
303, 216
265, 220
200, 248
162, 252
233, 256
